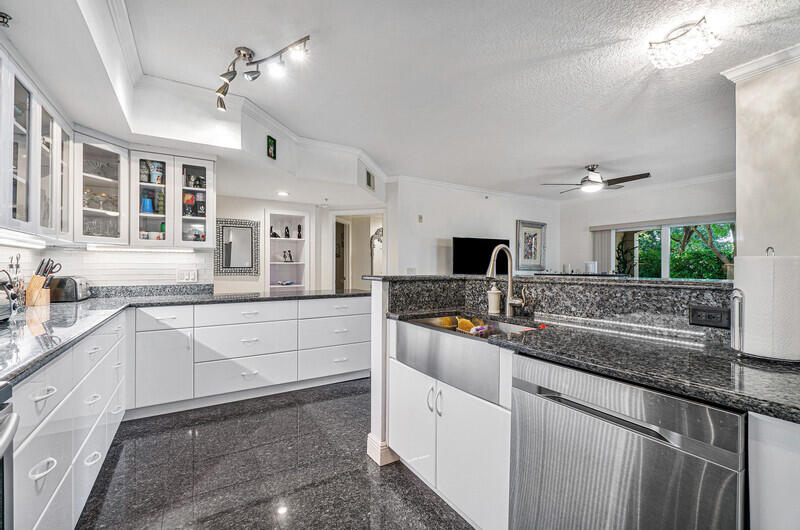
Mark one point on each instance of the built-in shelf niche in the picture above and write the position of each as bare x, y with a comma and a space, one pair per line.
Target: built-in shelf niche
281, 269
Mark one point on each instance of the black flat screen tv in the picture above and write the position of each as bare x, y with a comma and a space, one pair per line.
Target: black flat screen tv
471, 255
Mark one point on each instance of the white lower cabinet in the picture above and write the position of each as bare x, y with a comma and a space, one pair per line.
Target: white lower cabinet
333, 360
233, 375
58, 513
473, 455
412, 422
457, 442
164, 366
240, 340
87, 466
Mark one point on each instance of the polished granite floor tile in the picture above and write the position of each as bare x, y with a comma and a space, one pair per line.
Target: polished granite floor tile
295, 460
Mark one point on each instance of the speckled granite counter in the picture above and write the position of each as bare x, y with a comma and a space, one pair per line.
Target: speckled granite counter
35, 336
707, 372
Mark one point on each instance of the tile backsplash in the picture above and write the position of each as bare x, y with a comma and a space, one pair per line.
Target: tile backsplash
106, 268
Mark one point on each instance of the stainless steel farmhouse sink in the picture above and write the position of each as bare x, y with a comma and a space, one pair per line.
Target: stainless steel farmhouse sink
449, 322
461, 361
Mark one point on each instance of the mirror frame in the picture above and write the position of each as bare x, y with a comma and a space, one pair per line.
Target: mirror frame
255, 247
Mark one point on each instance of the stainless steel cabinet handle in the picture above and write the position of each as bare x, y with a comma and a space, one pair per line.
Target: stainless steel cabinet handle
248, 313
340, 330
48, 391
249, 374
438, 403
189, 340
94, 350
248, 341
340, 359
428, 399
117, 410
340, 307
94, 398
118, 365
50, 464
92, 458
172, 317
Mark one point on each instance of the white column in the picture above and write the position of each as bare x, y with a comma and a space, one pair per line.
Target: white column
665, 244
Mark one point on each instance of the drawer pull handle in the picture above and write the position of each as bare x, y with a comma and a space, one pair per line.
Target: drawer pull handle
93, 458
428, 399
173, 317
117, 328
118, 365
248, 341
48, 391
340, 360
117, 410
438, 403
50, 464
248, 313
94, 398
344, 330
94, 350
341, 306
249, 374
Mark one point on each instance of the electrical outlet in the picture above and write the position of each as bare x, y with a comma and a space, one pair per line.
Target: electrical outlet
713, 317
186, 276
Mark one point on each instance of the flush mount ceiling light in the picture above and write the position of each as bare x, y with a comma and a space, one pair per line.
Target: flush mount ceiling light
684, 45
283, 193
297, 51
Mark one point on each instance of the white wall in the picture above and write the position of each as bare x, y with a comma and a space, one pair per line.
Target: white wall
448, 211
715, 195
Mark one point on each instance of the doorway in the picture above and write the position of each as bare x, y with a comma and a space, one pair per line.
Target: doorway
358, 250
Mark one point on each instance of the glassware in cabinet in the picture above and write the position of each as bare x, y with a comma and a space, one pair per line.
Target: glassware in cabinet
151, 199
196, 202
103, 192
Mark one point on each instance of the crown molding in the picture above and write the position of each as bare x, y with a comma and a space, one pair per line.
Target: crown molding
759, 66
127, 43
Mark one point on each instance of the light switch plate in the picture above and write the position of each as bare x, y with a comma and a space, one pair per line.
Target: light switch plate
186, 276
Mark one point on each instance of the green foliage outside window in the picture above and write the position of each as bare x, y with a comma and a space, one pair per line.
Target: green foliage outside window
702, 251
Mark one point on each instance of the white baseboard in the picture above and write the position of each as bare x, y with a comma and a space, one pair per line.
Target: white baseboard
178, 406
379, 451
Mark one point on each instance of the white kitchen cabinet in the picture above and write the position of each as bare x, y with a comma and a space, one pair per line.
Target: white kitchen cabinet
58, 513
195, 203
473, 440
412, 421
333, 360
326, 307
152, 207
244, 373
63, 184
243, 313
164, 366
332, 331
243, 340
87, 466
164, 317
101, 196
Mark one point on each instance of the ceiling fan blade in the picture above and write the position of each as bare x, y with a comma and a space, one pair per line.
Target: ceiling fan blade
565, 191
551, 184
615, 187
629, 178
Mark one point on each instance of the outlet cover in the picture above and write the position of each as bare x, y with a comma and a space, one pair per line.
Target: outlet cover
186, 276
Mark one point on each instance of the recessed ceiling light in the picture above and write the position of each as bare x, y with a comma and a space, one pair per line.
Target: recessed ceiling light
283, 193
684, 45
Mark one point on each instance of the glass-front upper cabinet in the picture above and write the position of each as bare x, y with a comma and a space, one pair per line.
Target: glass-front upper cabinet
46, 180
195, 201
152, 199
64, 184
101, 192
20, 163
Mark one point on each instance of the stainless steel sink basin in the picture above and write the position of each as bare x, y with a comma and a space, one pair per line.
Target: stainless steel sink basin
492, 327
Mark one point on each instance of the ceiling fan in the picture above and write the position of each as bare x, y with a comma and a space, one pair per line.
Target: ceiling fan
594, 182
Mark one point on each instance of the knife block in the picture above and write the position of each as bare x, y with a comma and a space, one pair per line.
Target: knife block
35, 294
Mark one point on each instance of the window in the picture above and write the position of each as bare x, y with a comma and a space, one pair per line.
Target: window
702, 251
638, 252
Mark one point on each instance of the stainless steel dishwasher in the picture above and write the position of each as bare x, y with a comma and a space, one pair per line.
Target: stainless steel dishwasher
589, 452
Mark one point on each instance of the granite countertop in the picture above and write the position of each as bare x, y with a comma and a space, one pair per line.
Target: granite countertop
601, 279
707, 372
36, 335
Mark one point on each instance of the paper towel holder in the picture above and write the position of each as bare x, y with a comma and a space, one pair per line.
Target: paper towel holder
737, 319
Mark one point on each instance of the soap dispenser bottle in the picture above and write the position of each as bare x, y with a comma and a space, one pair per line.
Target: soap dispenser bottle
494, 295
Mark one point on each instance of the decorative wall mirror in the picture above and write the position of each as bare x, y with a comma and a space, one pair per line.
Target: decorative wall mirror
237, 251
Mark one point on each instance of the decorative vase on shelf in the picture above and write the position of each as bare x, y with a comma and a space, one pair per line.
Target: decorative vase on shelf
286, 233
273, 233
299, 231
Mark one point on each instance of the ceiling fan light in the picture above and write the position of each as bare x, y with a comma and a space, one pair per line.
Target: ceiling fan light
592, 187
221, 104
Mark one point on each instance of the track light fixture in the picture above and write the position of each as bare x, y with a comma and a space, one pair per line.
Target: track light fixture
297, 51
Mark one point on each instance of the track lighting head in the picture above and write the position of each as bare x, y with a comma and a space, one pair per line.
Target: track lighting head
228, 76
5, 18
277, 69
221, 104
223, 90
298, 52
252, 75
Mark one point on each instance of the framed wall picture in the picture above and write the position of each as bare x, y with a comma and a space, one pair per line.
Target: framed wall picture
272, 149
531, 245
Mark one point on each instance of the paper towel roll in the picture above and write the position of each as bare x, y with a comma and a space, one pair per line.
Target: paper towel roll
771, 305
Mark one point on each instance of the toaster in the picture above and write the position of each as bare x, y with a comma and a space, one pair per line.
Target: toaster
6, 304
69, 289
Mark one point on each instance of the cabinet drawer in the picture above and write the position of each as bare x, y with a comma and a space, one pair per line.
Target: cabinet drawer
90, 397
164, 362
87, 466
58, 514
331, 307
332, 331
38, 395
89, 351
114, 412
332, 360
40, 464
220, 314
241, 340
167, 317
114, 327
220, 377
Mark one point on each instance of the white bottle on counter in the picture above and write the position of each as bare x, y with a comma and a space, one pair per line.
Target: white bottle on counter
494, 295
